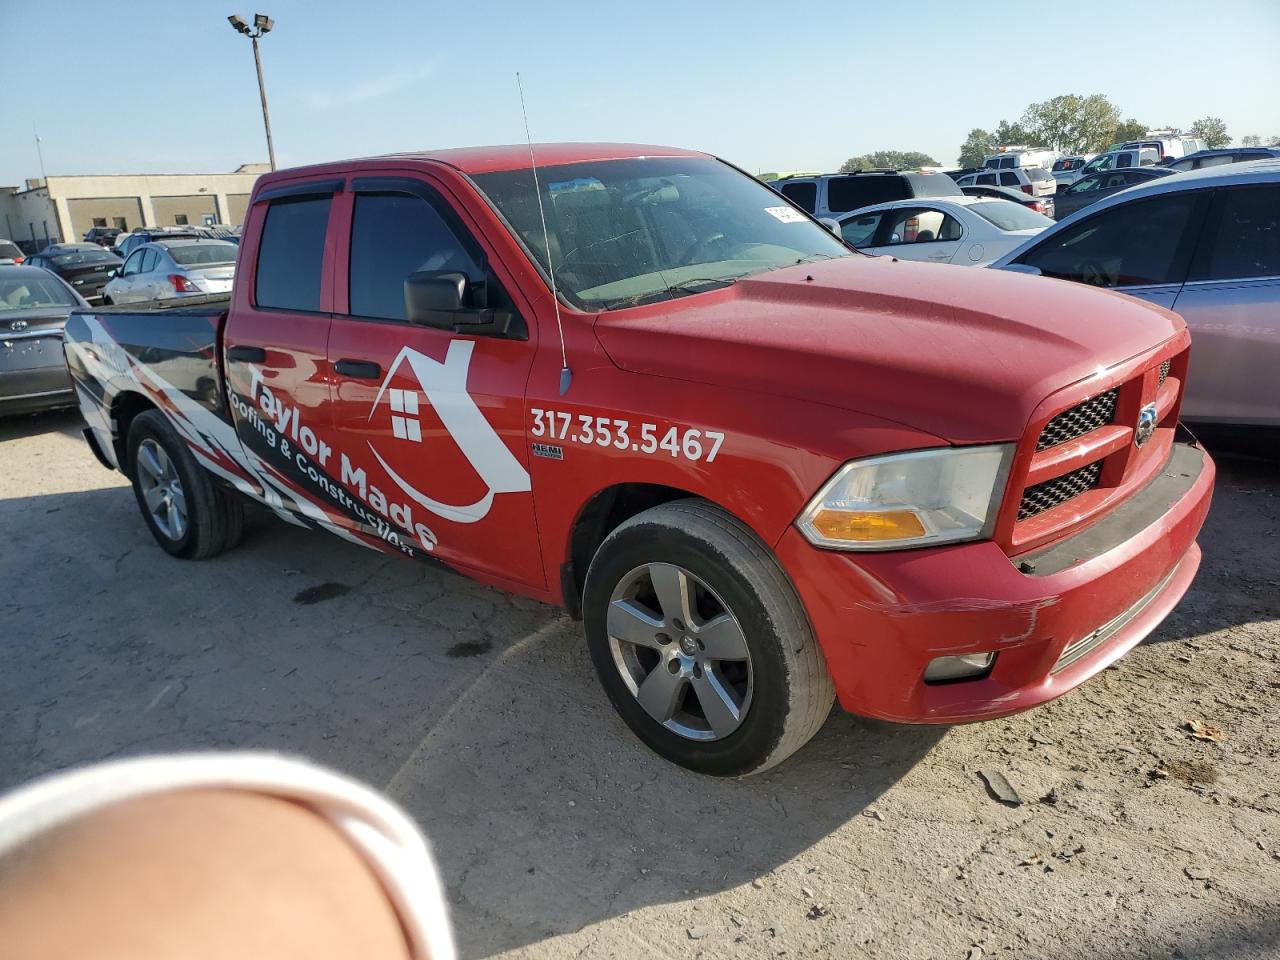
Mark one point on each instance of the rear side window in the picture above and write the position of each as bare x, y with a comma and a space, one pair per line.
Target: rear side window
392, 236
850, 193
987, 179
150, 260
1009, 180
1247, 240
1128, 245
803, 195
291, 254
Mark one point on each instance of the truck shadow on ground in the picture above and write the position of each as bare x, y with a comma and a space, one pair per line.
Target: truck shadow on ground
477, 710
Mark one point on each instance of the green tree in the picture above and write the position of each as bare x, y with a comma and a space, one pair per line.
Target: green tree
1212, 131
977, 145
1073, 124
1009, 134
1253, 140
1129, 129
893, 159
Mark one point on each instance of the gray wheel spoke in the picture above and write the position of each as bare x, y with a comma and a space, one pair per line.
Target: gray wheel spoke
630, 622
660, 693
150, 462
718, 704
674, 591
154, 496
175, 521
722, 638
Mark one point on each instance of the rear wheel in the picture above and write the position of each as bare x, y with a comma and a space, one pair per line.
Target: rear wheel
701, 642
185, 511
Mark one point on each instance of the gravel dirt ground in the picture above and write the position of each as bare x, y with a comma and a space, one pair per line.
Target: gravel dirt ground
560, 835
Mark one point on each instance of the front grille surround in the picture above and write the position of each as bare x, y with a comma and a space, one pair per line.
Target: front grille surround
1077, 421
1057, 491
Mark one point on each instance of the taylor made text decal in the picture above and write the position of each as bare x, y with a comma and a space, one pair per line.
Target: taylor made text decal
280, 426
646, 438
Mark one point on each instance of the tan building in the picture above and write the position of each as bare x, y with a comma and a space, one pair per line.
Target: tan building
62, 209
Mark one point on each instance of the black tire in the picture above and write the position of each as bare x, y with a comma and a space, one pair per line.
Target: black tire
790, 691
214, 516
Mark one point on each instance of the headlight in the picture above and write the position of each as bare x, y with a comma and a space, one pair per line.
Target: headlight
916, 499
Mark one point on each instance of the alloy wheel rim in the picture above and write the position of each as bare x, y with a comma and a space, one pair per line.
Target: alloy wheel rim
680, 651
162, 490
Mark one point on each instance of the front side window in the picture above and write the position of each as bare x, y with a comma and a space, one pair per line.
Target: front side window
1246, 242
1128, 245
1085, 184
625, 232
133, 264
860, 231
918, 225
291, 254
803, 195
392, 236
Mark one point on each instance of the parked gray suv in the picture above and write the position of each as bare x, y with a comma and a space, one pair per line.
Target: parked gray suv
1205, 244
835, 194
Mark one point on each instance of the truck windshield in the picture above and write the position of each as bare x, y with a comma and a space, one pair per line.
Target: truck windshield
624, 232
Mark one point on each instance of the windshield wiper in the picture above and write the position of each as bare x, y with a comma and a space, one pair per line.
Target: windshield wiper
698, 285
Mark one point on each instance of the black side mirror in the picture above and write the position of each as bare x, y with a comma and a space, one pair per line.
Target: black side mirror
439, 299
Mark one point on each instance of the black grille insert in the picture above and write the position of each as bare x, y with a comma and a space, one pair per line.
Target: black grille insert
1164, 371
1079, 420
1052, 493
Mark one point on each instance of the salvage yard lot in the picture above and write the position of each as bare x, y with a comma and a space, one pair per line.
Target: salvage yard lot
560, 835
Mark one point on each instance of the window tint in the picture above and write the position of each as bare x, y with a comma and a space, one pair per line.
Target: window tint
392, 236
850, 193
1247, 241
291, 254
1009, 180
1131, 244
921, 226
860, 230
988, 179
1008, 162
1124, 160
803, 195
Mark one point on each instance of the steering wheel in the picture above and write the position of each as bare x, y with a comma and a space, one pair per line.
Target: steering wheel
691, 255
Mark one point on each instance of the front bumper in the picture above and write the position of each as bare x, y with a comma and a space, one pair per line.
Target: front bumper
882, 617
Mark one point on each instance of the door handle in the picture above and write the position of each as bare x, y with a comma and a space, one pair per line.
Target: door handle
243, 354
358, 369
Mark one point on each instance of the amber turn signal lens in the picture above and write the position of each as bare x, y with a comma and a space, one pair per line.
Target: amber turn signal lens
867, 525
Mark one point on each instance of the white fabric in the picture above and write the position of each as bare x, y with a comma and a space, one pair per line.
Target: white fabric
383, 835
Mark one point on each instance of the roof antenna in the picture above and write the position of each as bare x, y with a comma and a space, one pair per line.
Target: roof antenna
566, 375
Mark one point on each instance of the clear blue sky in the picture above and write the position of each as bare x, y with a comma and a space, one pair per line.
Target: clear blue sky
169, 87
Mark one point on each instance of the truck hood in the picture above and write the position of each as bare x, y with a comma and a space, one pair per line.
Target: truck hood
962, 353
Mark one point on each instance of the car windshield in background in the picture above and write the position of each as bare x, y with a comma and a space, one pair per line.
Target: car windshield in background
31, 291
1010, 216
200, 254
78, 257
625, 232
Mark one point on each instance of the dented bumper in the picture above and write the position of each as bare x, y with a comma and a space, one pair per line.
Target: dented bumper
1054, 617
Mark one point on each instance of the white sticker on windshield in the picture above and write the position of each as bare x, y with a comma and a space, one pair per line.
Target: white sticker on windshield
787, 214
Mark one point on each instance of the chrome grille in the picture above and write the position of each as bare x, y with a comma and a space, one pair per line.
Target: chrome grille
1164, 371
1052, 493
1079, 420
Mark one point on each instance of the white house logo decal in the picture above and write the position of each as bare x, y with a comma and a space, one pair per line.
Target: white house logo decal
445, 386
406, 427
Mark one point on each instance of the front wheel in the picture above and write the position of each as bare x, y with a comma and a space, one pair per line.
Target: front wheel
701, 643
187, 514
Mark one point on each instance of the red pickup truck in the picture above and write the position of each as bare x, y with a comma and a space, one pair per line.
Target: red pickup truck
766, 470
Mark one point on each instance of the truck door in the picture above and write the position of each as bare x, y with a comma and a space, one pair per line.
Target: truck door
274, 347
429, 422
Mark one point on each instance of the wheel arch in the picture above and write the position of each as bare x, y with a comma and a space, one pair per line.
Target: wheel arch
125, 408
600, 515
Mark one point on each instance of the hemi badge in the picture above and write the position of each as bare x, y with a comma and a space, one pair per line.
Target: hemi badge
548, 450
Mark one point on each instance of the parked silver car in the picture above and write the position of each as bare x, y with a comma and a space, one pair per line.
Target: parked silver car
1205, 244
173, 268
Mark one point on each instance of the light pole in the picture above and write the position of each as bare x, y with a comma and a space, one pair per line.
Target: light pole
261, 24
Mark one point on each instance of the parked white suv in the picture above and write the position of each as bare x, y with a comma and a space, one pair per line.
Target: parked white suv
1067, 170
1119, 159
1012, 158
1033, 181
